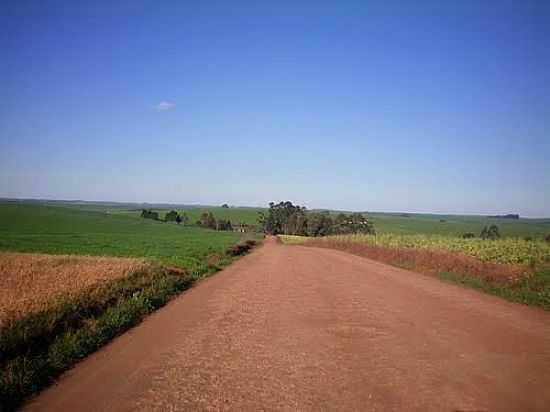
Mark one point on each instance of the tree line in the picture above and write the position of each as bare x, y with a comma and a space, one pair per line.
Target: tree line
288, 219
207, 219
171, 216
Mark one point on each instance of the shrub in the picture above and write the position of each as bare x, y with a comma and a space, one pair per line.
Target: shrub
223, 224
149, 214
208, 220
468, 235
490, 232
172, 216
241, 248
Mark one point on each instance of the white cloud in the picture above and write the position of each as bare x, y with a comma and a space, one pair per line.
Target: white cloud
164, 106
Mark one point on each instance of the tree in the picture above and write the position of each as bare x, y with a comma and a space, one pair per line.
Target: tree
319, 224
225, 206
354, 223
223, 224
149, 214
171, 216
178, 219
490, 232
286, 218
208, 220
468, 235
547, 238
184, 218
277, 219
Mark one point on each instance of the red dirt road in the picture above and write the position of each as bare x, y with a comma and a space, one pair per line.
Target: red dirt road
300, 329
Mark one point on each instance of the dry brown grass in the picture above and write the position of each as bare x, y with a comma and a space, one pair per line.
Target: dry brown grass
430, 261
32, 282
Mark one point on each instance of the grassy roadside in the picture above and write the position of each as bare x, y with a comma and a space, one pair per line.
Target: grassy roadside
35, 349
533, 290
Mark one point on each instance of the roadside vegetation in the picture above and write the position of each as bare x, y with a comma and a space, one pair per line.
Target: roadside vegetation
56, 309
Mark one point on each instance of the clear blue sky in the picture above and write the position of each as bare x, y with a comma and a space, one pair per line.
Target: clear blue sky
385, 106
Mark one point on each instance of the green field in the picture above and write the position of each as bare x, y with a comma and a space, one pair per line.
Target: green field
236, 215
396, 223
457, 225
69, 230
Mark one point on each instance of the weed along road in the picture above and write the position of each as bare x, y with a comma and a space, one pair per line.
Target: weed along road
301, 328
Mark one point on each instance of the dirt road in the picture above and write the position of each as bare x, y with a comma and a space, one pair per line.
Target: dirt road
300, 329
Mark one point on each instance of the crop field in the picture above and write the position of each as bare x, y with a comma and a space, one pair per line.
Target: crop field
60, 230
33, 282
513, 251
72, 279
396, 223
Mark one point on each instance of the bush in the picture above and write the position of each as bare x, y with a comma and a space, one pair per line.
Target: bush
172, 216
241, 248
208, 220
223, 224
490, 232
468, 235
149, 214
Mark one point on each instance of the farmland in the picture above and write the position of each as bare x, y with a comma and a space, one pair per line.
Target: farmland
456, 225
58, 306
32, 282
394, 223
513, 251
62, 230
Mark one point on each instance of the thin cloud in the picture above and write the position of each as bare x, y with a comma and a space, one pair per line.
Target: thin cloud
164, 106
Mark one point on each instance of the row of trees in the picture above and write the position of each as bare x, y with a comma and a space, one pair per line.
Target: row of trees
171, 216
286, 218
209, 220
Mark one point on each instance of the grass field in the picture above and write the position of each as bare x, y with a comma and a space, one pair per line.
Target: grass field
396, 223
513, 251
456, 225
62, 230
57, 307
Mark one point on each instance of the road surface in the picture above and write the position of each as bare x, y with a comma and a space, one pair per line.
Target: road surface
293, 328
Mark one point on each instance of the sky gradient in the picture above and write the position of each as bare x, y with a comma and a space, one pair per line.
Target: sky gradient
413, 106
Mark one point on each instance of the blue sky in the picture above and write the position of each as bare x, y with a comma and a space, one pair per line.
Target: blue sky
414, 106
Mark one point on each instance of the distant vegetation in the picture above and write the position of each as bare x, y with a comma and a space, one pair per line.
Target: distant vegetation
64, 230
286, 218
149, 214
490, 232
509, 216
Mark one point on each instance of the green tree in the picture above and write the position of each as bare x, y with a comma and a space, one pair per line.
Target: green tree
171, 216
208, 220
490, 232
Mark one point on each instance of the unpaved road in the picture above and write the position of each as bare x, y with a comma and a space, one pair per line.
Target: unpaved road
297, 328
